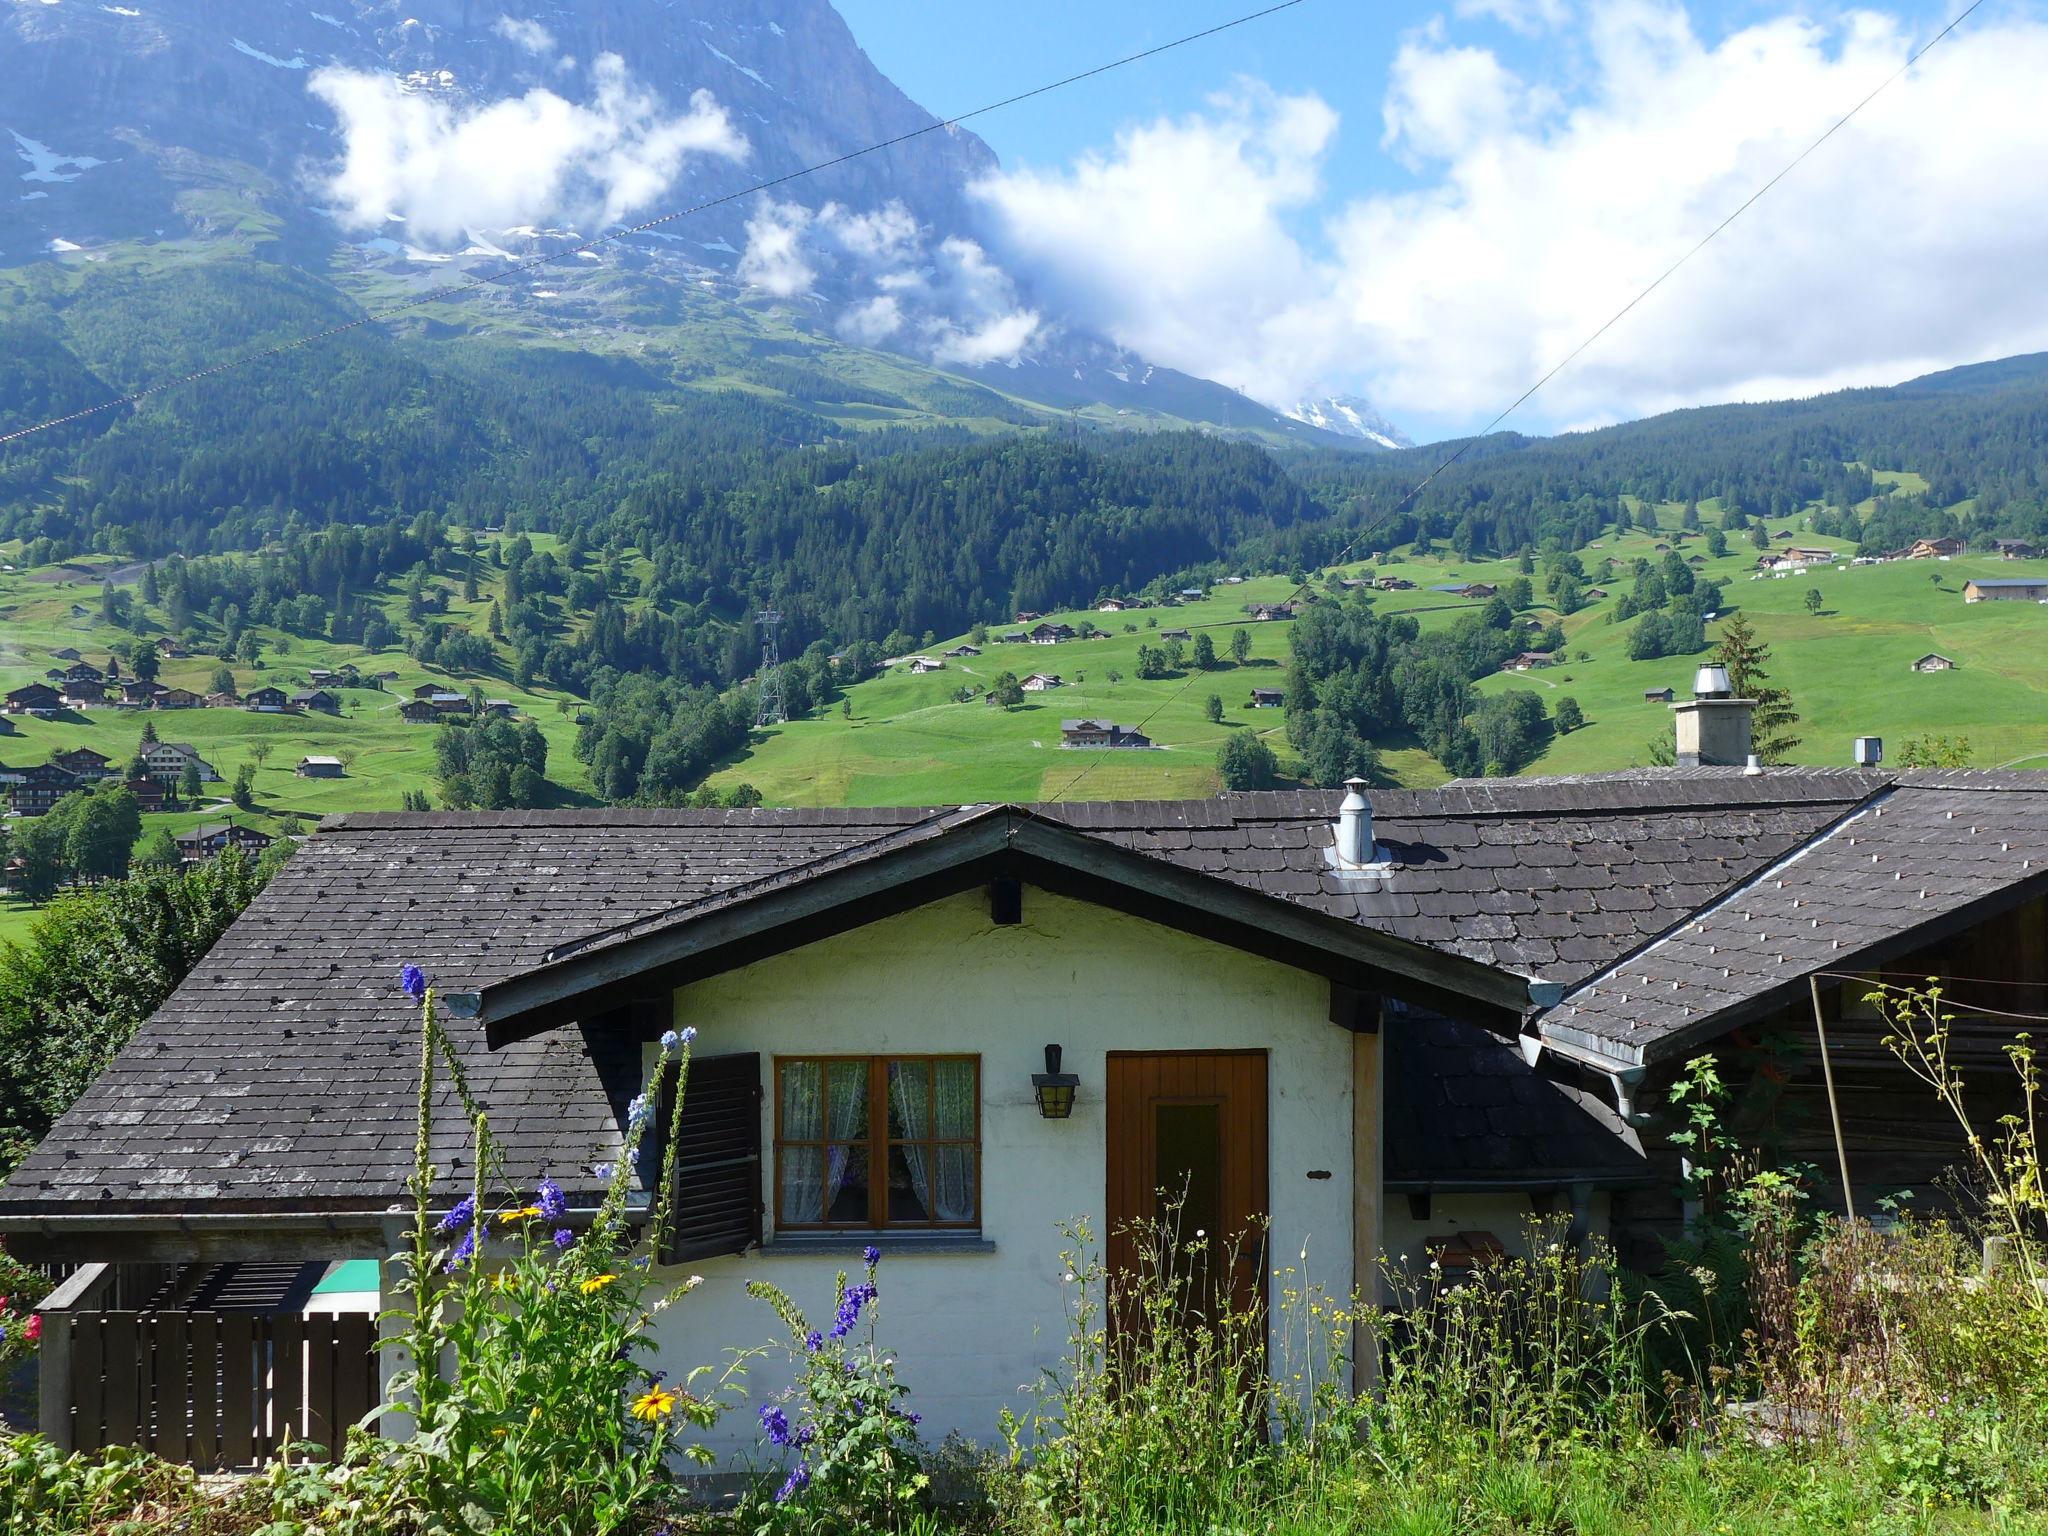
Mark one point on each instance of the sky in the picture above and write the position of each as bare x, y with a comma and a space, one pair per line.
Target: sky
1432, 204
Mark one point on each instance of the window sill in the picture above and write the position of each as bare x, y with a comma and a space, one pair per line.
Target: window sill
806, 1245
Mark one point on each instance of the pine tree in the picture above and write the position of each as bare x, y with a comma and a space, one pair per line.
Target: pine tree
1744, 656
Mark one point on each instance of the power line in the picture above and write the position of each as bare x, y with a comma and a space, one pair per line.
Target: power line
470, 285
1570, 357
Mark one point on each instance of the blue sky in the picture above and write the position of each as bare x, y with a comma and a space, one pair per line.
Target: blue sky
953, 55
1431, 205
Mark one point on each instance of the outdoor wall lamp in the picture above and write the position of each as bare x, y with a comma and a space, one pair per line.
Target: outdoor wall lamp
1055, 1089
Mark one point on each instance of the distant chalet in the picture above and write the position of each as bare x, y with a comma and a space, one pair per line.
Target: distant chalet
1101, 733
2004, 589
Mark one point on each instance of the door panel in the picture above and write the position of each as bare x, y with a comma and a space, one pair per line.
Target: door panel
1190, 1127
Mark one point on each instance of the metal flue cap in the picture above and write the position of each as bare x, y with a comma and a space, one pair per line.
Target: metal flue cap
1354, 839
1711, 682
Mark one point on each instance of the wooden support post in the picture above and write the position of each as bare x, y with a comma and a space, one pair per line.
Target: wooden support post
85, 1287
1368, 1134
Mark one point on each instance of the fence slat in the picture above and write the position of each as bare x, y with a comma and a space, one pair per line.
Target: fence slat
287, 1379
238, 1365
357, 1382
122, 1356
321, 1424
88, 1382
173, 1383
204, 1448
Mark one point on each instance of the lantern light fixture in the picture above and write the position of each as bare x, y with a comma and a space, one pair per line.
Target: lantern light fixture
1054, 1088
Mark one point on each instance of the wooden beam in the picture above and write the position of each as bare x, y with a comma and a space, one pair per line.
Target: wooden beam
1368, 1163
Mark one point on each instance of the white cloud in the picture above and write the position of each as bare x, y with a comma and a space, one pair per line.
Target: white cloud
445, 166
1910, 240
530, 35
948, 303
774, 259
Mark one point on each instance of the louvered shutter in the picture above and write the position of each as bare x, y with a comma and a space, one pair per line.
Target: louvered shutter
718, 1160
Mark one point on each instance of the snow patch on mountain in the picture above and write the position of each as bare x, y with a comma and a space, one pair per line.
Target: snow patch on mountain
45, 164
1349, 416
294, 62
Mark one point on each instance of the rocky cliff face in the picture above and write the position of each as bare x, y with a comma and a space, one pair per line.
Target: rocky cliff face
112, 111
422, 138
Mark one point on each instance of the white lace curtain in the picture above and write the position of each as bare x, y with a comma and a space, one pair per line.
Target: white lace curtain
942, 1177
813, 1177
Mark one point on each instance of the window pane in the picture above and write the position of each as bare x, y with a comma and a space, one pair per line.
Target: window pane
803, 1113
846, 1182
956, 1100
910, 1169
910, 1100
953, 1184
847, 1108
802, 1171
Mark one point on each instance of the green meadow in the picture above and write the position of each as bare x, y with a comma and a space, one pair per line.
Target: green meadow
906, 741
900, 739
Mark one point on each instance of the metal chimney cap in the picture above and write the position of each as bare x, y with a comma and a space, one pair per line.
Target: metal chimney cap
1711, 682
1354, 789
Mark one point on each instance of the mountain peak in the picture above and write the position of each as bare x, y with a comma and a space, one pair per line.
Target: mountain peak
1350, 416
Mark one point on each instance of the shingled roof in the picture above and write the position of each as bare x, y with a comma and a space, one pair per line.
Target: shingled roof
1932, 851
280, 1075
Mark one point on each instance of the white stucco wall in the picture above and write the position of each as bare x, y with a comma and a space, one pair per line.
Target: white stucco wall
969, 1328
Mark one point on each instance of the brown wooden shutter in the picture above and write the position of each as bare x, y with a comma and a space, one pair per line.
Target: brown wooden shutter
718, 1160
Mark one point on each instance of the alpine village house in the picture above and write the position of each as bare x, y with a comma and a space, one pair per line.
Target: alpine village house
1382, 1022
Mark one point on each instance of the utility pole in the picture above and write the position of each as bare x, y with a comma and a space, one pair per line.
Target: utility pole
773, 710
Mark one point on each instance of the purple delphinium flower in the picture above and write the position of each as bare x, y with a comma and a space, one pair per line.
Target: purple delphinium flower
638, 1111
872, 1255
554, 1205
794, 1484
564, 1237
464, 1251
603, 1170
804, 1437
463, 1215
814, 1341
414, 981
669, 1041
857, 1296
689, 1033
775, 1425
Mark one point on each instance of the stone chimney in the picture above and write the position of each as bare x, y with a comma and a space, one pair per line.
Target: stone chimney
1713, 725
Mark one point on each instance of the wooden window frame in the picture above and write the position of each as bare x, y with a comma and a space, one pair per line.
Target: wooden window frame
878, 1141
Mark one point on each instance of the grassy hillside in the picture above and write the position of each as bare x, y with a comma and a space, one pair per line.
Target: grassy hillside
384, 755
907, 742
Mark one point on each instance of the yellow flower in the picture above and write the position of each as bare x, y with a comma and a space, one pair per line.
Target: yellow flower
524, 1213
654, 1403
597, 1283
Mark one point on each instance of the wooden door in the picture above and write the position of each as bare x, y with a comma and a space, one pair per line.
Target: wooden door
1187, 1146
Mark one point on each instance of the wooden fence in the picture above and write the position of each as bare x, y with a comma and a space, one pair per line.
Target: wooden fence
214, 1389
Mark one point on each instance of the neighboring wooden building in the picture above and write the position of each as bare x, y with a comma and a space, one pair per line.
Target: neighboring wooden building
166, 761
1934, 549
319, 768
207, 842
1267, 698
2008, 549
1041, 682
1101, 733
418, 712
86, 765
922, 664
1529, 661
179, 698
39, 788
38, 699
2006, 589
318, 700
1049, 634
267, 700
1934, 661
